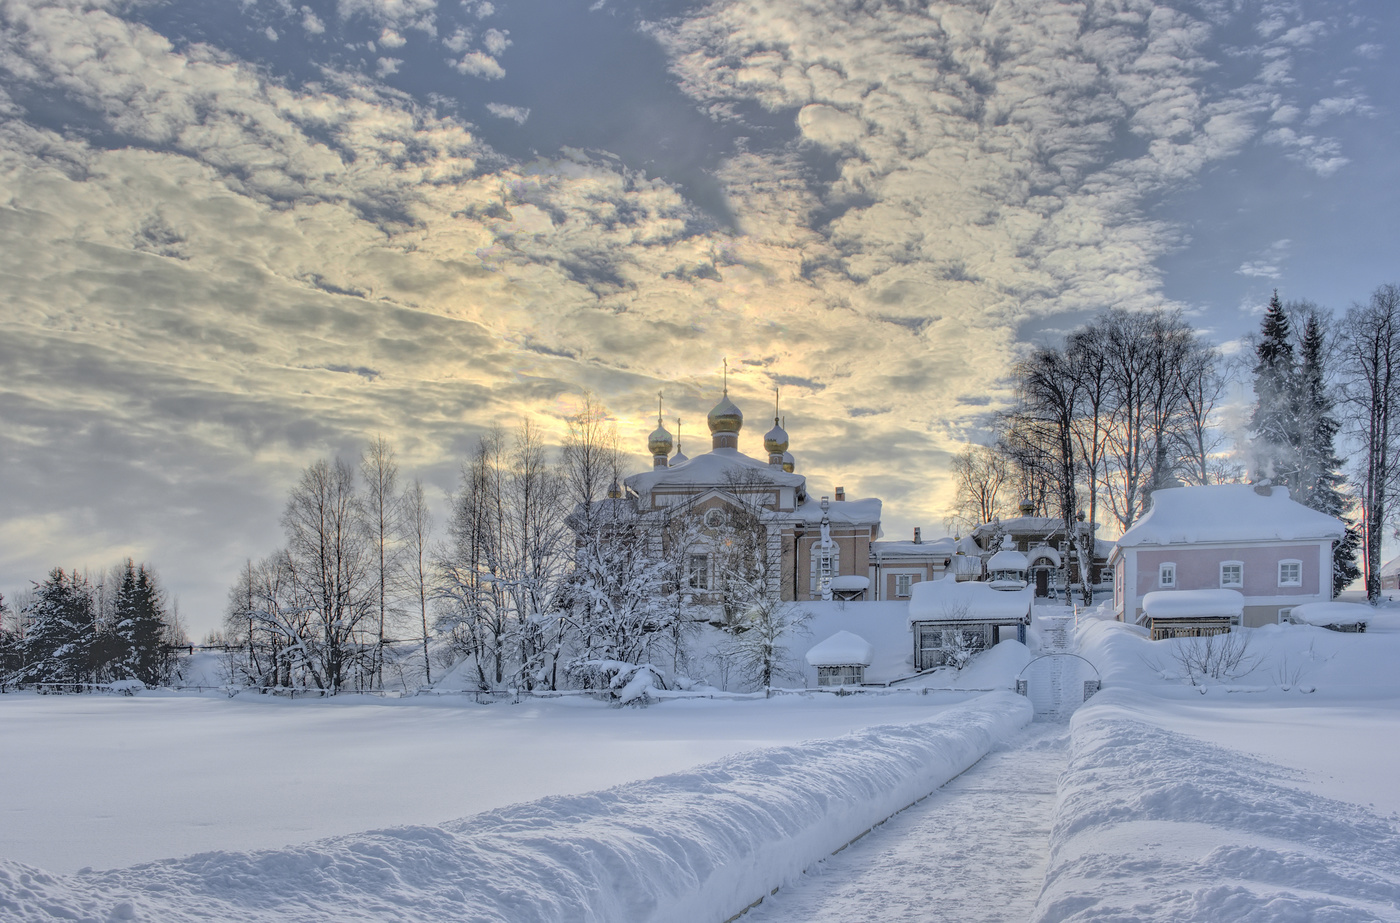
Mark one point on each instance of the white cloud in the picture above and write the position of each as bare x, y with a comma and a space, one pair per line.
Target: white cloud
388, 66
311, 22
516, 114
271, 34
1323, 156
495, 41
388, 38
480, 65
1268, 263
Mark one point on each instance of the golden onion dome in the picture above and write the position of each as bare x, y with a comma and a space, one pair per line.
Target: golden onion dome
659, 442
776, 440
789, 462
725, 418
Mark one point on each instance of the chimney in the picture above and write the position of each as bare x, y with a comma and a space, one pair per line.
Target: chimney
1263, 488
918, 537
840, 494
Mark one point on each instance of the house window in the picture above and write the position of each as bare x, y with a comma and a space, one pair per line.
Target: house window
699, 572
1166, 576
841, 676
1290, 573
1232, 574
817, 565
902, 583
1285, 616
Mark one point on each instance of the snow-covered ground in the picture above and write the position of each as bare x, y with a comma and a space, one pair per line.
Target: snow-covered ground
106, 781
1265, 795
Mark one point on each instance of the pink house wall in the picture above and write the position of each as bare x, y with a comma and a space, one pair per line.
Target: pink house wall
1199, 568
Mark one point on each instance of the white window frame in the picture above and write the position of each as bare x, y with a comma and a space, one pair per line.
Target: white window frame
1285, 615
698, 578
1294, 562
1235, 585
1166, 575
908, 582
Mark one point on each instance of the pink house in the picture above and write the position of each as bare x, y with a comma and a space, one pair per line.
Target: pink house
1251, 538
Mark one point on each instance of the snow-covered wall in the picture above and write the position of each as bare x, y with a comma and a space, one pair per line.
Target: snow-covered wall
696, 846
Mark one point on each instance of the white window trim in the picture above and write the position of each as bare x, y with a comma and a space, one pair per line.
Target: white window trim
1161, 575
908, 580
1231, 586
816, 564
1285, 615
692, 573
1299, 581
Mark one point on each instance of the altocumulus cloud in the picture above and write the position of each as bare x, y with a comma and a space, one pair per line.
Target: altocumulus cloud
194, 253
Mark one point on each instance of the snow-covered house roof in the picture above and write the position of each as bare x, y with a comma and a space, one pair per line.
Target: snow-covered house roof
842, 649
864, 512
944, 547
1333, 613
1188, 604
1390, 568
1044, 553
949, 599
1228, 513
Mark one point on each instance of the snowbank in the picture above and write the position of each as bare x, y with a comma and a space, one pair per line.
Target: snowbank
695, 846
1154, 824
1331, 613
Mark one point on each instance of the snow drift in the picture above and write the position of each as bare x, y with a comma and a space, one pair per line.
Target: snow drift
696, 846
1155, 825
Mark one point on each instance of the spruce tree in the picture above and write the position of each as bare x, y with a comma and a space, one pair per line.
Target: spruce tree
139, 626
1319, 483
1275, 419
57, 648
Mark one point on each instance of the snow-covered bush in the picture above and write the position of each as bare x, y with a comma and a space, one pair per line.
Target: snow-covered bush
1220, 657
624, 683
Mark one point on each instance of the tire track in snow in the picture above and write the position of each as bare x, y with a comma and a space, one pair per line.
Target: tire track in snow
973, 852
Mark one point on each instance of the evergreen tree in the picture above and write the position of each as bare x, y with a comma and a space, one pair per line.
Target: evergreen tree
1318, 483
58, 647
1275, 419
139, 626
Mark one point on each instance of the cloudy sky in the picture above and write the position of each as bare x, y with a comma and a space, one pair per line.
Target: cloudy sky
239, 236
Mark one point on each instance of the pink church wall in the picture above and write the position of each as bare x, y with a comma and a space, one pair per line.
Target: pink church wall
1199, 568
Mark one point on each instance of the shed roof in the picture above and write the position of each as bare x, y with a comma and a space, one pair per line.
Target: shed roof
1186, 604
841, 650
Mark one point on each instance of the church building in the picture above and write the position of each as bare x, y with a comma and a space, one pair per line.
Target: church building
823, 547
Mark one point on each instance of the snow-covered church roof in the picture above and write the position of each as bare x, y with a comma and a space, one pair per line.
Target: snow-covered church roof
1228, 513
1007, 559
971, 601
715, 468
842, 649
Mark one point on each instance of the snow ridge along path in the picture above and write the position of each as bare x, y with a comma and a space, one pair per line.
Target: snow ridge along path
1155, 825
696, 846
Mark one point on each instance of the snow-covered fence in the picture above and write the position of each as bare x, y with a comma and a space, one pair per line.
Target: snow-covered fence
696, 846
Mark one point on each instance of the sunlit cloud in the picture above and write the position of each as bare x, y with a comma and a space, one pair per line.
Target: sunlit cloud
223, 275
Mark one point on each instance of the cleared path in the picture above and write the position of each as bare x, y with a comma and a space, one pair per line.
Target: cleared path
973, 852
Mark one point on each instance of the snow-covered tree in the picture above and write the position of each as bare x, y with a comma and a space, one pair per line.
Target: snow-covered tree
1274, 424
140, 627
417, 526
1319, 482
58, 643
381, 519
758, 641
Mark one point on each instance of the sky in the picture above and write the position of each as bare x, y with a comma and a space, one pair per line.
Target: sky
236, 237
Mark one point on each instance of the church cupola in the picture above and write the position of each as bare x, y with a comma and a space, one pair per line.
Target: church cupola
680, 458
725, 419
775, 442
659, 442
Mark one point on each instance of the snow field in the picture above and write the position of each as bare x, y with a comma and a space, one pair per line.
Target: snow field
698, 845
